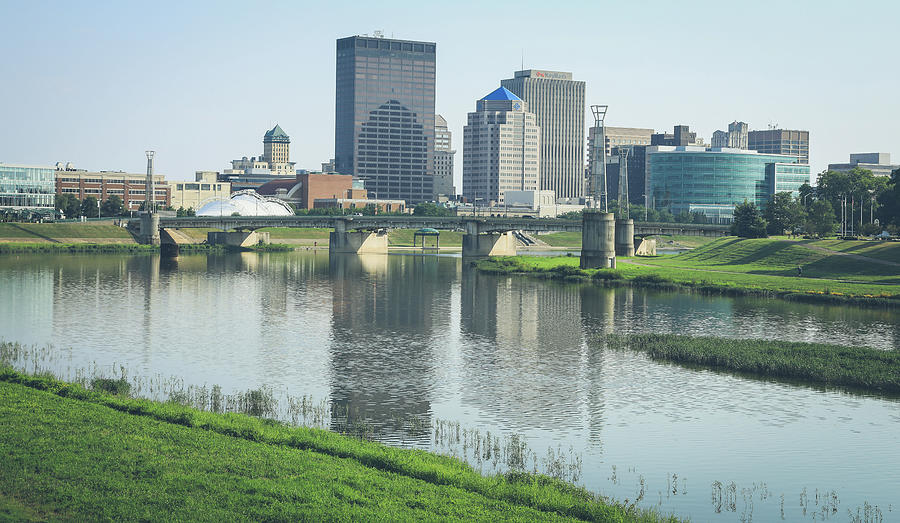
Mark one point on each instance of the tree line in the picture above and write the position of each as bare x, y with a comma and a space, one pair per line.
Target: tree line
849, 203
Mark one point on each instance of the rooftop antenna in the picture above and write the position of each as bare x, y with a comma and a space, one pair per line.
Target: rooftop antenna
148, 186
598, 168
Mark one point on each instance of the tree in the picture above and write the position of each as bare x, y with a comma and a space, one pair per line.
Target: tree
699, 217
68, 204
821, 219
89, 207
783, 213
748, 221
683, 217
889, 201
113, 206
431, 209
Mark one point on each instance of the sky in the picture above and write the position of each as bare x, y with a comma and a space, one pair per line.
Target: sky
97, 83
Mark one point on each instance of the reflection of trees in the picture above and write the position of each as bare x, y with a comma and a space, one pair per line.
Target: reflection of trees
386, 312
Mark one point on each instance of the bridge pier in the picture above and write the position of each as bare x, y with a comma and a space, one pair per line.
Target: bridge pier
598, 239
237, 238
624, 237
476, 244
149, 231
356, 242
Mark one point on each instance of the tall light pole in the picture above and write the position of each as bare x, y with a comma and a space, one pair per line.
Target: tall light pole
149, 197
598, 168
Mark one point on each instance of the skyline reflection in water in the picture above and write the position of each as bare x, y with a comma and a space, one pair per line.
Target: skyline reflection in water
389, 338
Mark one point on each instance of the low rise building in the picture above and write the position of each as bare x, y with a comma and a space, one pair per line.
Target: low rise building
27, 188
192, 195
130, 187
879, 163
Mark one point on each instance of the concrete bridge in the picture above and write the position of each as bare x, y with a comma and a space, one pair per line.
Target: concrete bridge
487, 236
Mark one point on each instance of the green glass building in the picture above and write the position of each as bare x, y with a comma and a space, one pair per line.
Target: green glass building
27, 188
714, 180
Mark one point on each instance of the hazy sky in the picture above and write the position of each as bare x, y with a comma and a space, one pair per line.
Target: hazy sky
97, 83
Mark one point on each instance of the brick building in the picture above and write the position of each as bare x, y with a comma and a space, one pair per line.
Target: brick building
129, 187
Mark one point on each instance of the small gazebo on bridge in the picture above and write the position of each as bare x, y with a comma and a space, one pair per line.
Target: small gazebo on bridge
426, 232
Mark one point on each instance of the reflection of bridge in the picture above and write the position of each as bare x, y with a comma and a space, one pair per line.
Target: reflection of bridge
366, 234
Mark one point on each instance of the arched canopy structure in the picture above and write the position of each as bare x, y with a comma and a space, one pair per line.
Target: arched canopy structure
246, 203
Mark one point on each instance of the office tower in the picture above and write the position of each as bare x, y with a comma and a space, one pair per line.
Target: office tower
443, 159
557, 102
616, 136
501, 148
276, 146
781, 141
736, 137
879, 163
384, 115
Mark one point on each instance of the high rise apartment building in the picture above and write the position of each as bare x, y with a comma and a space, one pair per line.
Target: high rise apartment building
443, 159
737, 136
557, 101
501, 148
384, 115
780, 141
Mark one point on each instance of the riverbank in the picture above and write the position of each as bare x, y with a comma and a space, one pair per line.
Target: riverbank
859, 368
731, 266
138, 459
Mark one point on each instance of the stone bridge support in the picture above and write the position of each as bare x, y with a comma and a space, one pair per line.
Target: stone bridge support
149, 231
624, 237
598, 247
356, 242
476, 244
237, 238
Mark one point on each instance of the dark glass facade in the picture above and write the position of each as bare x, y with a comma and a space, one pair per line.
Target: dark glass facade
384, 116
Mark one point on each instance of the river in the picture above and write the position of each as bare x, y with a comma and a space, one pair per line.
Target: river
408, 337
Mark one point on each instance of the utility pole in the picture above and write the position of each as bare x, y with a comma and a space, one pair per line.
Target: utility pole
623, 182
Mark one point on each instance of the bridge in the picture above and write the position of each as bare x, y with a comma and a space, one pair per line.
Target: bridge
484, 236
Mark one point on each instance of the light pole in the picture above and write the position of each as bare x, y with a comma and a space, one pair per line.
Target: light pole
98, 208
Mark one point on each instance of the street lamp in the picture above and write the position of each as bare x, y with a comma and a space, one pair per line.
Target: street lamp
98, 208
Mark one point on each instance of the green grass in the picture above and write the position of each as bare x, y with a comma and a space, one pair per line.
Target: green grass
834, 365
561, 239
404, 238
296, 233
684, 242
880, 250
17, 247
62, 231
73, 453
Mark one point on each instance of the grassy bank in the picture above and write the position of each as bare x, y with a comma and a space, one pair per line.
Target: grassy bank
834, 365
74, 453
732, 267
64, 233
573, 239
17, 247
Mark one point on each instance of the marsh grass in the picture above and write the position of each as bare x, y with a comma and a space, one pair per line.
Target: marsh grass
832, 365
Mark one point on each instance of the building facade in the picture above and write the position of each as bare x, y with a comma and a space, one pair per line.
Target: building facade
27, 188
713, 181
557, 101
501, 148
780, 141
384, 115
737, 136
680, 136
879, 163
130, 187
205, 187
275, 159
443, 159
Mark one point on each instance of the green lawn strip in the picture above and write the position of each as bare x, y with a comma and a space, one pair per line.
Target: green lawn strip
62, 231
296, 233
14, 510
404, 238
834, 365
880, 250
526, 490
561, 239
86, 462
701, 279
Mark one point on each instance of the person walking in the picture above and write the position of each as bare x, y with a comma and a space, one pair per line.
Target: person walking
799, 271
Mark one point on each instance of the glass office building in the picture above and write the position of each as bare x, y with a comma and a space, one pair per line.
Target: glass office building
384, 116
713, 181
27, 188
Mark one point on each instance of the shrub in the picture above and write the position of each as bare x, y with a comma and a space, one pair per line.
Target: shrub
119, 387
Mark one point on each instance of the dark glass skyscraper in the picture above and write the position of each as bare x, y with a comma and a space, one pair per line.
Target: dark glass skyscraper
384, 115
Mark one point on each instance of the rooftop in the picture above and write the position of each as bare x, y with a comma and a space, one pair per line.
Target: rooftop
501, 93
277, 133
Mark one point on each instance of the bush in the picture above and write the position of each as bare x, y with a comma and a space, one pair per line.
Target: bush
119, 387
607, 274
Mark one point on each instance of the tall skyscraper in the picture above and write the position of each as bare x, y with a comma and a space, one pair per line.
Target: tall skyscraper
384, 115
276, 146
501, 148
557, 102
780, 141
443, 159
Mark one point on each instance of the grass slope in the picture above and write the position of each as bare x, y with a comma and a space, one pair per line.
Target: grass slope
857, 367
62, 231
71, 453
